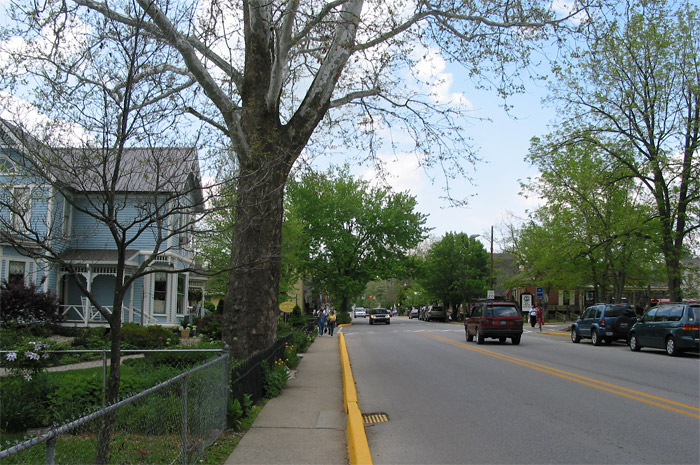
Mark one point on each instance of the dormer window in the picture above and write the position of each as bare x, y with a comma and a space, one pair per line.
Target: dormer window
6, 166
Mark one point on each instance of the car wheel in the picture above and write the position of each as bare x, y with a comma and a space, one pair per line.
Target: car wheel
575, 336
595, 338
634, 343
371, 322
470, 337
515, 340
501, 340
479, 336
671, 348
388, 322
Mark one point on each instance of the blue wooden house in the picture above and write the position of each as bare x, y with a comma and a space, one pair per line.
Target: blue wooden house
53, 228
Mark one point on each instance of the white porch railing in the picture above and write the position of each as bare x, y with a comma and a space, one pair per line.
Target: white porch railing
87, 314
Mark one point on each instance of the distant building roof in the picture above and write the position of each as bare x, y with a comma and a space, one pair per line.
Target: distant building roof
94, 169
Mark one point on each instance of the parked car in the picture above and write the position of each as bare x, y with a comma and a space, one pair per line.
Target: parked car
413, 313
604, 323
436, 313
674, 327
379, 315
360, 312
495, 320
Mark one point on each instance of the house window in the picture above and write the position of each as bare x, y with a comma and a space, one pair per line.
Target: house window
160, 292
21, 207
15, 272
6, 165
184, 229
67, 218
181, 287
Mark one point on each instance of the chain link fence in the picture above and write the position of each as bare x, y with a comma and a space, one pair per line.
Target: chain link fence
173, 404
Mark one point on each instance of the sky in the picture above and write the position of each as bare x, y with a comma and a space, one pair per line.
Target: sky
502, 141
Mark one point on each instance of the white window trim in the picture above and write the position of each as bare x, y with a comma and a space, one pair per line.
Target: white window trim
27, 217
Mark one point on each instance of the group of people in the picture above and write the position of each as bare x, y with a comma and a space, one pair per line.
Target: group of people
326, 322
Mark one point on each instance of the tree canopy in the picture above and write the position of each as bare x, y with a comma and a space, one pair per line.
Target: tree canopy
632, 94
455, 269
351, 233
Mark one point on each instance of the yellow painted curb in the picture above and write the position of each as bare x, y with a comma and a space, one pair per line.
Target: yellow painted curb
358, 447
554, 334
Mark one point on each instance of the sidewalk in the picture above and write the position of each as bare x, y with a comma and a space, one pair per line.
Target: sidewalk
306, 424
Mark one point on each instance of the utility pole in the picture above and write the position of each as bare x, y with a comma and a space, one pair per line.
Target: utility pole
491, 274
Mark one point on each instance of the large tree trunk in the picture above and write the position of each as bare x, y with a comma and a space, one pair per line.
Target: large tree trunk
251, 302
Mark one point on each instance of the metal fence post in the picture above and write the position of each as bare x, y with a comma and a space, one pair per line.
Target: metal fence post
104, 378
51, 451
184, 420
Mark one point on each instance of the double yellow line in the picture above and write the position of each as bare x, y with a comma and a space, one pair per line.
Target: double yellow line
667, 404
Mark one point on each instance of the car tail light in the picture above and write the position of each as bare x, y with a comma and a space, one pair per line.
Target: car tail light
602, 323
691, 327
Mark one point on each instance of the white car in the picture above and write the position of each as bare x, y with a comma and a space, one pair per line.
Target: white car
360, 313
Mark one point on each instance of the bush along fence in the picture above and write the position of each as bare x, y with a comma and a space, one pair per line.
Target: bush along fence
248, 378
162, 406
171, 422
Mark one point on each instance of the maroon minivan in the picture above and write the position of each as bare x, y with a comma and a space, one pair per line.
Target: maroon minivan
495, 320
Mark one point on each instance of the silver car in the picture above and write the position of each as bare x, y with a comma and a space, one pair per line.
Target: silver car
360, 312
436, 313
379, 315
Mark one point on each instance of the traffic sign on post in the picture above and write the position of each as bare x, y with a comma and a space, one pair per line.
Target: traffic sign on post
490, 294
540, 293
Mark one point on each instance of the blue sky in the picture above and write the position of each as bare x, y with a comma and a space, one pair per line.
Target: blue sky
502, 143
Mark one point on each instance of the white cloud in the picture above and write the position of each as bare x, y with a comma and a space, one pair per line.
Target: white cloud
430, 69
55, 132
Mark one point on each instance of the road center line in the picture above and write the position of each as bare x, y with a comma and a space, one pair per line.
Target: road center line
597, 384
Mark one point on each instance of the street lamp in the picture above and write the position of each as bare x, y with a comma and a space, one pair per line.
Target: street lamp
474, 236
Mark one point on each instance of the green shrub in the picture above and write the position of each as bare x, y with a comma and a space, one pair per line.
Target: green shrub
76, 395
210, 307
28, 357
24, 403
344, 318
91, 338
302, 341
274, 378
145, 337
237, 411
211, 326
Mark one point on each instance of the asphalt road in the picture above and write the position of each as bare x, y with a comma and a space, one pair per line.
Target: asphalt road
546, 400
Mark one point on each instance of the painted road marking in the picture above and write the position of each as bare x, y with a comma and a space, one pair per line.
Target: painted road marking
657, 401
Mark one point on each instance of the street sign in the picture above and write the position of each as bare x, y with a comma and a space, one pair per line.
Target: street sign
540, 293
527, 302
490, 294
287, 307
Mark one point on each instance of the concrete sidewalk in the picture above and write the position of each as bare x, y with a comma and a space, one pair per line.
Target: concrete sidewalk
307, 423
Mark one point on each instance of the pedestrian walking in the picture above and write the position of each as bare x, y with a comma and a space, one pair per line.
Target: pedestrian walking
540, 315
321, 321
331, 322
533, 316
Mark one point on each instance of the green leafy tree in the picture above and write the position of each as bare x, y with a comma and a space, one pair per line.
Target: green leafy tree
352, 232
632, 93
455, 270
595, 227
